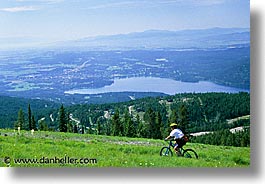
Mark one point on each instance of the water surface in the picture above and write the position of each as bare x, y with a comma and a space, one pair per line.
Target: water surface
155, 84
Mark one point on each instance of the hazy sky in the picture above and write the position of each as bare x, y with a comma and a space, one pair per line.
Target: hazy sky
71, 19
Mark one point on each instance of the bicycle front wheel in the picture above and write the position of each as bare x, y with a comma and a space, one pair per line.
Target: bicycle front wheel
165, 151
190, 153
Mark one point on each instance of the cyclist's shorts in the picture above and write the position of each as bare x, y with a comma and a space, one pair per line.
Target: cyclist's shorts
179, 143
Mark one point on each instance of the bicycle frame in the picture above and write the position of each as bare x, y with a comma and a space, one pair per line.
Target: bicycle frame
171, 144
188, 153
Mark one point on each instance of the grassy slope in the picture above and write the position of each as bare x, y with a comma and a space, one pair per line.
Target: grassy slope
112, 151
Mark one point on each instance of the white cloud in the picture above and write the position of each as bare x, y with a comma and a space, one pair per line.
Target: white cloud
156, 3
19, 9
42, 1
29, 5
208, 2
113, 5
191, 2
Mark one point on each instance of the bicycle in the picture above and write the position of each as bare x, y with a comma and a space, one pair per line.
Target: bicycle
187, 153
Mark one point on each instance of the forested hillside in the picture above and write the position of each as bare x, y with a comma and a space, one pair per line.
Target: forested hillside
147, 117
150, 117
9, 107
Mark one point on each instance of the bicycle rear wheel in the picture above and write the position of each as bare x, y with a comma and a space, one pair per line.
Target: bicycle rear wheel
190, 153
165, 151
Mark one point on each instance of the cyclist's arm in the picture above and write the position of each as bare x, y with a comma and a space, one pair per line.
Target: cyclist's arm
169, 137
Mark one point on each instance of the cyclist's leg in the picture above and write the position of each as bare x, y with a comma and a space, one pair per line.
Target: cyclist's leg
177, 150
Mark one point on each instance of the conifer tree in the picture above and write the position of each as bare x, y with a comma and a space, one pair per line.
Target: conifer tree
149, 118
129, 127
132, 128
108, 127
29, 118
116, 124
158, 126
75, 130
173, 117
126, 122
139, 127
82, 129
62, 120
20, 119
99, 125
183, 118
33, 121
43, 125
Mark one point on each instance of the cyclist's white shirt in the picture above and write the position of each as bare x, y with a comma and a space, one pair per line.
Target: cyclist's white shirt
177, 133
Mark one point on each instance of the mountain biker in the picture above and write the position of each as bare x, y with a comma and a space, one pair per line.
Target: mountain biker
177, 134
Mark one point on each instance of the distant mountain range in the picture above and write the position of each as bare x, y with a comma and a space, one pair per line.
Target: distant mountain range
150, 39
164, 39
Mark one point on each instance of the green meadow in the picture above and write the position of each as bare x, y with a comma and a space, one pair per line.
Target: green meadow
55, 149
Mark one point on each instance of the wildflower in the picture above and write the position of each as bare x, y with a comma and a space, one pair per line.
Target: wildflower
32, 131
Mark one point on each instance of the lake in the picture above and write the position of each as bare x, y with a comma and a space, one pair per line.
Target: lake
155, 84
